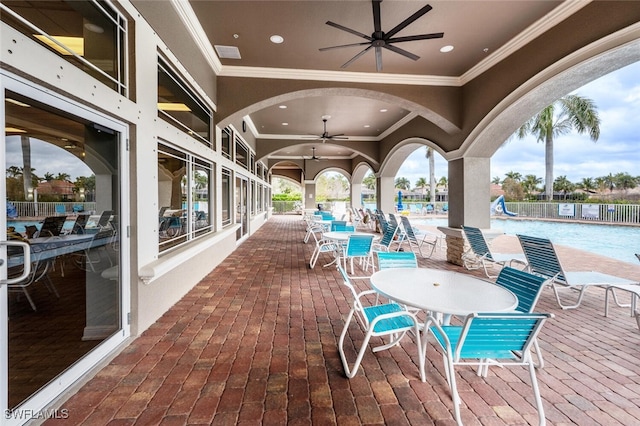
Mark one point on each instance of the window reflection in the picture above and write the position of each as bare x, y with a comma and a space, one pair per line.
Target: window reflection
62, 185
184, 184
180, 106
89, 34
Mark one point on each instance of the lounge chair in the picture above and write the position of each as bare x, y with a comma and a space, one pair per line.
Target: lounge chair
505, 339
480, 255
543, 260
390, 320
417, 239
386, 241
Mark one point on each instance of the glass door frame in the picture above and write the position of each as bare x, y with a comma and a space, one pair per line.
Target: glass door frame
242, 197
36, 404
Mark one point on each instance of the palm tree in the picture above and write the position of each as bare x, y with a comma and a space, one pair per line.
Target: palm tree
432, 175
570, 112
564, 185
496, 180
422, 183
530, 184
588, 185
516, 176
369, 181
403, 183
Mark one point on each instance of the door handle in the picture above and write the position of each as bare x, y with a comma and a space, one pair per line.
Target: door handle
26, 250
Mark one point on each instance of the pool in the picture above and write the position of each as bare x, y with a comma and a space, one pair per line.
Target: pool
618, 242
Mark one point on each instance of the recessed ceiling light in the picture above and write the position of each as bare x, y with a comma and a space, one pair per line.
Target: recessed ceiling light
384, 110
282, 107
277, 39
367, 126
285, 124
445, 49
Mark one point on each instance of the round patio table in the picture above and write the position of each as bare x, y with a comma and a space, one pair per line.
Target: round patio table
441, 291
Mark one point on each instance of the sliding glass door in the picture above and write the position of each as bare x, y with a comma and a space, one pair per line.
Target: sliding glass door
64, 178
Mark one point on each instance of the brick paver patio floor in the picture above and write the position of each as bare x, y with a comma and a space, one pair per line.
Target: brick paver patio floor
255, 342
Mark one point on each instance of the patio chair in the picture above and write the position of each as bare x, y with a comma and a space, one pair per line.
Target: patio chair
52, 226
358, 247
417, 239
322, 246
393, 221
505, 339
382, 220
386, 241
390, 320
335, 223
398, 259
543, 260
633, 290
480, 255
527, 287
40, 267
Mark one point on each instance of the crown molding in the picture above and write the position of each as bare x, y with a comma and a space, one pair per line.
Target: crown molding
191, 22
550, 20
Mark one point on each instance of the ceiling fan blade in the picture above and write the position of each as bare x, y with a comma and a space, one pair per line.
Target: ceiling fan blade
407, 21
322, 49
401, 52
378, 58
377, 23
415, 37
349, 30
350, 61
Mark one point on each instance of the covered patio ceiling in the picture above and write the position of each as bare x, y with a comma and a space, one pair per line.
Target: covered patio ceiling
487, 50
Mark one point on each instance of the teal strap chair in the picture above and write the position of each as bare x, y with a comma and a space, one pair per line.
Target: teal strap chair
417, 240
387, 239
480, 256
335, 223
543, 260
505, 339
322, 246
388, 320
527, 287
359, 247
397, 259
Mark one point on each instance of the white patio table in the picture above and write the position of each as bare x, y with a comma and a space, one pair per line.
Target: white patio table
444, 292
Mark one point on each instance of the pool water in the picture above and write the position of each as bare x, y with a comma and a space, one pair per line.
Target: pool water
20, 225
618, 242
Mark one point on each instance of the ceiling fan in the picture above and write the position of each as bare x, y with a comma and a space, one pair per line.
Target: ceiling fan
379, 39
314, 157
325, 136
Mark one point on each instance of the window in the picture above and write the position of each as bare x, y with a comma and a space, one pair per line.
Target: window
226, 143
253, 198
180, 106
184, 185
226, 197
259, 198
89, 34
242, 153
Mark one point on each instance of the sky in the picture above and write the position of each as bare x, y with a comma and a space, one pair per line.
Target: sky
617, 97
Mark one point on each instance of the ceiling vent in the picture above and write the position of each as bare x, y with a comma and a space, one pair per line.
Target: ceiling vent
227, 52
